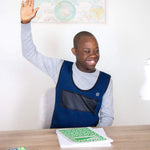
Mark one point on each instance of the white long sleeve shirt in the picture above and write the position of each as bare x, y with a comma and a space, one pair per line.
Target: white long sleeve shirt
52, 66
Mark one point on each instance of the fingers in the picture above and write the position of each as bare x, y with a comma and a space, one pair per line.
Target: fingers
29, 2
35, 10
34, 13
22, 3
32, 2
26, 2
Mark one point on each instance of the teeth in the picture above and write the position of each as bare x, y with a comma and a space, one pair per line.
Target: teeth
92, 61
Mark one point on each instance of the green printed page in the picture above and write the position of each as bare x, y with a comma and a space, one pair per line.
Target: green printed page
81, 135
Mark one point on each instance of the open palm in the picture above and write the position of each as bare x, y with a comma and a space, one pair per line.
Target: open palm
27, 11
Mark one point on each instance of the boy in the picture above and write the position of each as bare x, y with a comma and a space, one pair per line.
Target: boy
82, 92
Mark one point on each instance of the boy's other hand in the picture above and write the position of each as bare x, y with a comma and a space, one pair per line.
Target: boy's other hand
27, 11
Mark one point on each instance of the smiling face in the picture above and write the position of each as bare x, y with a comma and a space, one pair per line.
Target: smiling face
87, 53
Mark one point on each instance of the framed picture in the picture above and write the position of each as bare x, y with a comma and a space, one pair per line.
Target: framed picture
71, 11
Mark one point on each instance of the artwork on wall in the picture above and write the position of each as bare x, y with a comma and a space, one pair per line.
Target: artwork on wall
71, 11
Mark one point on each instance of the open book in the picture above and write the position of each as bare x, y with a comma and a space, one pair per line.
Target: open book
83, 137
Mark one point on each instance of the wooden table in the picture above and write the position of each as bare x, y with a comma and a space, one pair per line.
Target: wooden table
125, 138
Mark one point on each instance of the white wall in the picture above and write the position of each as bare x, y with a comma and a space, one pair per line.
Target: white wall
124, 47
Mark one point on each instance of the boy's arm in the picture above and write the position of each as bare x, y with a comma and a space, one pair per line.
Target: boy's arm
51, 66
106, 111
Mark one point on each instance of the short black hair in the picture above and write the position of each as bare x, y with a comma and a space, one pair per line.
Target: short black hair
79, 35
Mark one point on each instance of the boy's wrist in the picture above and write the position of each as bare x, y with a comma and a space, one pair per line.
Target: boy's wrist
25, 22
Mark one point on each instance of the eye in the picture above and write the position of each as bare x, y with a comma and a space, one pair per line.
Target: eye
87, 51
97, 50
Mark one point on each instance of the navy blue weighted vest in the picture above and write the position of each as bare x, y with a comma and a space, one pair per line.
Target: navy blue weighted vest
75, 107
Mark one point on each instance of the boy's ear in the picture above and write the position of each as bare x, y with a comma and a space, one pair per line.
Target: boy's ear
73, 51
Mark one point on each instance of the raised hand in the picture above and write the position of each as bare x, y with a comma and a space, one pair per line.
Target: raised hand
27, 11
